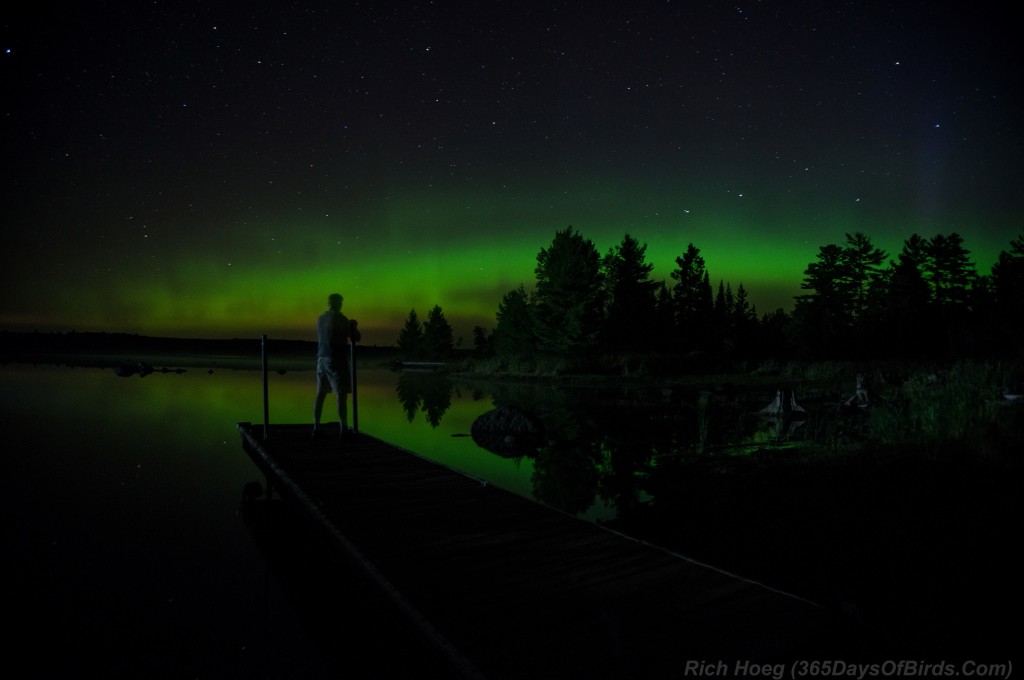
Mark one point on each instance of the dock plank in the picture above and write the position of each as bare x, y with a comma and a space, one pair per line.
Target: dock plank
511, 588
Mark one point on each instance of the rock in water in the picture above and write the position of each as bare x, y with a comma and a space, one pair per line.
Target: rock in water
507, 431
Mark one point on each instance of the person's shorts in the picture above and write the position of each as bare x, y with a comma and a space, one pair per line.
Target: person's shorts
332, 376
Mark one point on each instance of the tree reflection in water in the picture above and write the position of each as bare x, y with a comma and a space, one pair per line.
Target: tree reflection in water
430, 393
607, 444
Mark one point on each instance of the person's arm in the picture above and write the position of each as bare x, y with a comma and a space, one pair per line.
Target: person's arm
353, 331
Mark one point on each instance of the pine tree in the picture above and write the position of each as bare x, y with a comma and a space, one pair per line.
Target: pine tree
482, 343
823, 318
742, 329
410, 338
1008, 294
569, 297
438, 341
950, 270
1008, 274
513, 335
631, 298
832, 319
742, 312
723, 333
663, 332
692, 298
862, 262
954, 284
723, 302
904, 321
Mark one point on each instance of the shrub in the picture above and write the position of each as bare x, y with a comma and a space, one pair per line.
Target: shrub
960, 406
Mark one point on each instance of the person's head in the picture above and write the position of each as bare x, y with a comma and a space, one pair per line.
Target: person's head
334, 301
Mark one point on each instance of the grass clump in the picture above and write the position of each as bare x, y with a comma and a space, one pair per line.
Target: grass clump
958, 409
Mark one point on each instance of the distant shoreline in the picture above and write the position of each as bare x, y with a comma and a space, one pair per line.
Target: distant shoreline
110, 350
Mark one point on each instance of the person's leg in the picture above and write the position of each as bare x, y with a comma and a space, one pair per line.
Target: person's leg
343, 410
338, 379
322, 388
318, 408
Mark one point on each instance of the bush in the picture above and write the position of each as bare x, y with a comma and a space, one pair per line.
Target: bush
961, 406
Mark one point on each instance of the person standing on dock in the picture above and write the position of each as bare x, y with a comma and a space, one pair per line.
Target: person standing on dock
334, 332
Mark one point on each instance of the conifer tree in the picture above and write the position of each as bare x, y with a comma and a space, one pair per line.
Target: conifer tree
743, 327
724, 300
410, 338
663, 332
823, 317
631, 301
482, 343
692, 299
742, 312
513, 335
954, 284
1008, 294
438, 340
1008, 274
950, 270
862, 262
829, 320
569, 296
903, 321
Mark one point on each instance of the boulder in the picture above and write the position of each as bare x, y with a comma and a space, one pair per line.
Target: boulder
508, 432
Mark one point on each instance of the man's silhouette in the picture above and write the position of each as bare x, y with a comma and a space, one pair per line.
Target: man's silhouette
334, 332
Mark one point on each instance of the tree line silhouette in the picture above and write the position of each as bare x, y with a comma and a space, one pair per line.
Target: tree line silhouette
929, 302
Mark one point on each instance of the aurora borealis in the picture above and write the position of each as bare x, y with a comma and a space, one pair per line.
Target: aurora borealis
193, 170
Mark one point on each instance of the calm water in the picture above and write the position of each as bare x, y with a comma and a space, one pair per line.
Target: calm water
130, 552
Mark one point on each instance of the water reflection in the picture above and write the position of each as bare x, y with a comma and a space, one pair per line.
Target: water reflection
591, 452
601, 451
426, 392
128, 553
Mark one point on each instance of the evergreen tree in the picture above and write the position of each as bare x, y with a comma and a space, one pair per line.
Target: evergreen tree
513, 335
569, 296
410, 338
863, 262
954, 284
438, 341
831, 320
742, 312
743, 328
663, 332
950, 270
904, 321
1008, 275
482, 343
724, 330
1008, 298
823, 317
631, 293
774, 337
692, 299
724, 300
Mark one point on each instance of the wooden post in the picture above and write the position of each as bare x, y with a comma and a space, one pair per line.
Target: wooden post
266, 400
352, 374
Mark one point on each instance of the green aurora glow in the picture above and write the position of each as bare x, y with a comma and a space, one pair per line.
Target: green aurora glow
434, 250
231, 201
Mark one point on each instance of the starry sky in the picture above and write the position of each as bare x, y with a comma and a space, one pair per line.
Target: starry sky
216, 169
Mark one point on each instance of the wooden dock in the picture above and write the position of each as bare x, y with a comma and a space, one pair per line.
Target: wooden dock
504, 587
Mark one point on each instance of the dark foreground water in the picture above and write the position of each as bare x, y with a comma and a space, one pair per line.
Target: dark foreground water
132, 554
128, 551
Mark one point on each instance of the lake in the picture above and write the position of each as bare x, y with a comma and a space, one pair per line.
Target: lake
131, 555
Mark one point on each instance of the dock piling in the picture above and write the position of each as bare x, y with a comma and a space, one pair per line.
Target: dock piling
266, 398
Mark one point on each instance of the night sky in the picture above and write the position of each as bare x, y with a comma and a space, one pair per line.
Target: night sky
216, 169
